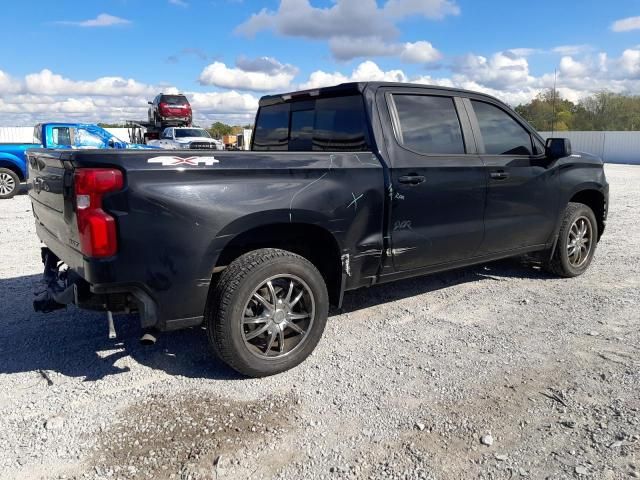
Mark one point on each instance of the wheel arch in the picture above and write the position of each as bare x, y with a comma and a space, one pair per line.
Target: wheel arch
13, 165
310, 240
596, 201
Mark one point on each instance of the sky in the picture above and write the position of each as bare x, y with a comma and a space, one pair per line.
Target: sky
102, 60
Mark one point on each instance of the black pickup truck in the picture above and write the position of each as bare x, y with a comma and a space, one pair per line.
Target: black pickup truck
345, 187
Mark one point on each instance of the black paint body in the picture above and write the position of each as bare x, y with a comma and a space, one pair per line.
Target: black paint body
175, 222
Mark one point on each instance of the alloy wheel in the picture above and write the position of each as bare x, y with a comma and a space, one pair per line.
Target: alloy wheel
278, 317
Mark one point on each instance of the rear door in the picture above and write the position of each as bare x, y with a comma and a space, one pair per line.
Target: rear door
521, 199
438, 180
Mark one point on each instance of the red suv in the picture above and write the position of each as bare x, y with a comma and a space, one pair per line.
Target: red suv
170, 110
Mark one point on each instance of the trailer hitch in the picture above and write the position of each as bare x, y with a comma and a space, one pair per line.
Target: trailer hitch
58, 293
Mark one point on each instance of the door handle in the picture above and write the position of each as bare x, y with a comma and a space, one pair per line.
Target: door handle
499, 175
412, 179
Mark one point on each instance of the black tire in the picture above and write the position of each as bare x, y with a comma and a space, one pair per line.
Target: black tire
560, 264
228, 306
9, 183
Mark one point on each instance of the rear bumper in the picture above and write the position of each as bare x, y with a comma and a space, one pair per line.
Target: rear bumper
68, 287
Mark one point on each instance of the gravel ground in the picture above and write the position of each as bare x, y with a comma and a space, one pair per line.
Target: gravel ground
497, 371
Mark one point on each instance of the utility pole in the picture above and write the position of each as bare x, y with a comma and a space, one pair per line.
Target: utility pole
553, 118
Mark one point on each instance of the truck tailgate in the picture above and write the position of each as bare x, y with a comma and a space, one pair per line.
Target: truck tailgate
50, 188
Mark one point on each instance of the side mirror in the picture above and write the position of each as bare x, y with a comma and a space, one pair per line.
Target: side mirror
558, 148
150, 103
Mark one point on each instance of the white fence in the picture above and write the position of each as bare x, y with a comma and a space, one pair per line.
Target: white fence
612, 147
16, 134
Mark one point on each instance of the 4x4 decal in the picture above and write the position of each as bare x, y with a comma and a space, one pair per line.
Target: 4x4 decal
178, 161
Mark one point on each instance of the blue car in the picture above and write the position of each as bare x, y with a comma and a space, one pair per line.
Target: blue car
13, 161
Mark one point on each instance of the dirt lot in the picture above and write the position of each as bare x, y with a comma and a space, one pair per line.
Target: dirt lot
406, 381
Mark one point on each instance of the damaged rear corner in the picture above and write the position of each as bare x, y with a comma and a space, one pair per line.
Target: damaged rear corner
63, 286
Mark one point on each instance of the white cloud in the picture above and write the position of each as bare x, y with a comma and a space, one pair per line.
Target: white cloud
419, 52
366, 71
572, 49
525, 52
500, 70
572, 68
345, 48
102, 20
626, 24
179, 3
261, 75
434, 9
49, 83
8, 84
353, 29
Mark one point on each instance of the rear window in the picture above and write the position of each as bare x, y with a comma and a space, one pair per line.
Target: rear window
327, 124
174, 99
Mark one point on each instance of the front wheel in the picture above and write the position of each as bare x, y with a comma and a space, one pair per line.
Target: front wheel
267, 312
577, 241
9, 183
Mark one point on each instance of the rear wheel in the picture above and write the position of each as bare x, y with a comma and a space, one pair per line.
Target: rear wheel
577, 241
267, 313
9, 183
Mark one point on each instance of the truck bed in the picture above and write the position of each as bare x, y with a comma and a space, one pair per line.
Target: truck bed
179, 209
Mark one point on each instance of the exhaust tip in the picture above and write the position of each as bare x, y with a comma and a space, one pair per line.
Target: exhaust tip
148, 339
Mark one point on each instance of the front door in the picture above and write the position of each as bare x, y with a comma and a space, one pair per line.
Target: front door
521, 200
438, 181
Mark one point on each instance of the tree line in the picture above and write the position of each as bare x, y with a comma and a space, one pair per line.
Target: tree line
600, 111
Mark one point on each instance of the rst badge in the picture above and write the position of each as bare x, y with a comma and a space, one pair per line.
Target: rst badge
180, 161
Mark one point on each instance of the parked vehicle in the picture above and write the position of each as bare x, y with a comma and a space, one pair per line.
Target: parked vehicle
189, 138
346, 187
170, 110
13, 166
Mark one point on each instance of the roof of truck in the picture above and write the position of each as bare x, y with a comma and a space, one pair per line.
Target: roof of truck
358, 87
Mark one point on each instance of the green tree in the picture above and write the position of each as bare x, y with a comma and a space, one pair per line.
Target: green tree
548, 111
600, 111
219, 129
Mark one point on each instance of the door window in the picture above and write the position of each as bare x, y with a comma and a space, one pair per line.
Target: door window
501, 133
61, 136
429, 124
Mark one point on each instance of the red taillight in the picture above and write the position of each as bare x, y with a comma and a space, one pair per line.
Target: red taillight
97, 229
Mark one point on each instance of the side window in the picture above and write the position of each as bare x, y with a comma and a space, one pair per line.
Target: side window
61, 136
429, 124
340, 125
502, 135
272, 128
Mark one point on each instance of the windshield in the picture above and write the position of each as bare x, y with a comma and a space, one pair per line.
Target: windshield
192, 132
